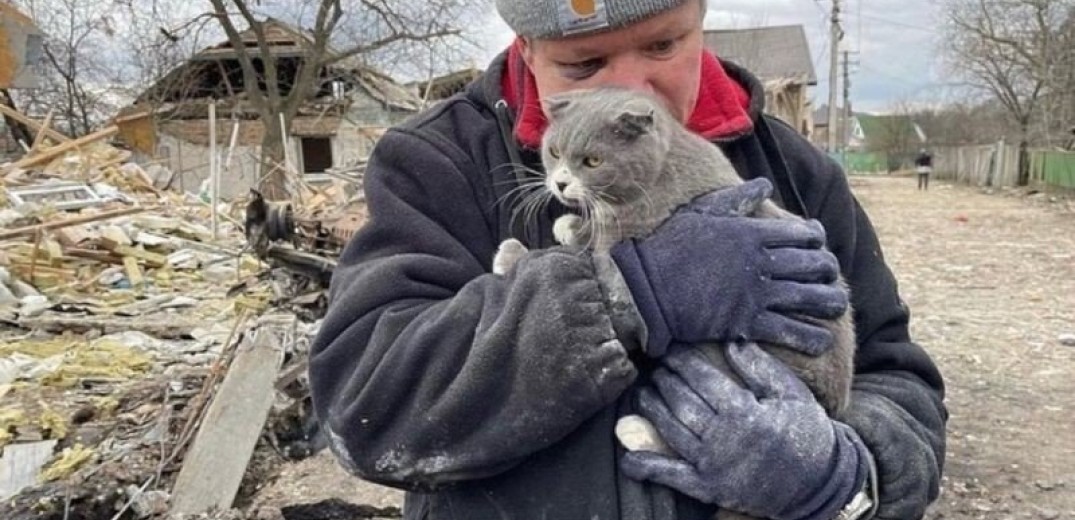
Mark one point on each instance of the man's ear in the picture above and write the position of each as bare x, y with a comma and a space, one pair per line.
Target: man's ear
632, 123
526, 50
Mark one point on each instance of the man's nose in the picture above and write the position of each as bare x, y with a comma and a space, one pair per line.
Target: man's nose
629, 73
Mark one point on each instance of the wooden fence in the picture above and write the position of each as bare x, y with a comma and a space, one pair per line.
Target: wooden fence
998, 165
981, 165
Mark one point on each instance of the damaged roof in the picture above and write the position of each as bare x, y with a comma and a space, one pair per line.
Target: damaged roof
770, 53
216, 72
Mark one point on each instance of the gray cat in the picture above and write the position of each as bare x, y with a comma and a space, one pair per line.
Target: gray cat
625, 164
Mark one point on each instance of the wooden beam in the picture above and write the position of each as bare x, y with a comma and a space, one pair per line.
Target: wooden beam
30, 230
34, 125
214, 467
42, 131
61, 149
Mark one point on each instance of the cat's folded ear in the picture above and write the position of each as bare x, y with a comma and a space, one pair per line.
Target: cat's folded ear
632, 123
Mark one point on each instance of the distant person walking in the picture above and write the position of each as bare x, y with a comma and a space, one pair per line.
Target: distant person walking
923, 166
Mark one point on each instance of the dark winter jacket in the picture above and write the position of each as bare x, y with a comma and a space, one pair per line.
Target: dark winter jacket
492, 397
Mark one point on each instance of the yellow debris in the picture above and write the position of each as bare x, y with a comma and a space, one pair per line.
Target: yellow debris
105, 405
52, 422
10, 418
69, 461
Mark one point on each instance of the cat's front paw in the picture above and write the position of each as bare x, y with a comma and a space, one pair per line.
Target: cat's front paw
567, 230
509, 252
638, 434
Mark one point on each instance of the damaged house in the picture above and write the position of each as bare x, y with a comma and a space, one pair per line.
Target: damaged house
334, 130
780, 57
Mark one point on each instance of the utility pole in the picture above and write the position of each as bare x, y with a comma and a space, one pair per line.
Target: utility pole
845, 134
835, 35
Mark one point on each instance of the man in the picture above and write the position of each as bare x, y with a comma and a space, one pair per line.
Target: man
923, 164
496, 396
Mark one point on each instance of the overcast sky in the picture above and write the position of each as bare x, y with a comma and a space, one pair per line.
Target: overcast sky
897, 43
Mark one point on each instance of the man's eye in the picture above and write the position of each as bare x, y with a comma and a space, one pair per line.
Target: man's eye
582, 69
662, 47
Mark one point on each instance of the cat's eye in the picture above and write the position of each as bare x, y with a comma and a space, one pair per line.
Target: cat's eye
592, 161
554, 152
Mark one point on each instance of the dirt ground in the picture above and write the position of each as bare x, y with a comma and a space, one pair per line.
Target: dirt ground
990, 280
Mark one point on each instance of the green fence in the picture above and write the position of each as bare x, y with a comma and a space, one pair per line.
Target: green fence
862, 162
1053, 168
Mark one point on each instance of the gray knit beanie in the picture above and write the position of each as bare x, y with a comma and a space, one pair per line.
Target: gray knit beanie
550, 19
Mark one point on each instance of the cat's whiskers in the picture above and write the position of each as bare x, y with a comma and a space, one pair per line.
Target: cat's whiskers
524, 187
529, 206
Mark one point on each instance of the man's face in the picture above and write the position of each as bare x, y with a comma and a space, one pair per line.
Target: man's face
660, 55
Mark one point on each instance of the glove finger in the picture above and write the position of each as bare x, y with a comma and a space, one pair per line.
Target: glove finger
678, 437
803, 265
684, 403
807, 338
781, 232
763, 374
743, 199
716, 388
821, 301
666, 471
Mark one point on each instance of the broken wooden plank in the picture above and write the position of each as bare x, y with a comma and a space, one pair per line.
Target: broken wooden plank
58, 150
43, 131
134, 273
214, 467
34, 125
84, 219
20, 465
150, 258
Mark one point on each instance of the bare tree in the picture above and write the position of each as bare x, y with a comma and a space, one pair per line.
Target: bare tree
1009, 48
336, 31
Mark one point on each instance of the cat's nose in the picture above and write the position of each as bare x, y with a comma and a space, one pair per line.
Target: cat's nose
561, 186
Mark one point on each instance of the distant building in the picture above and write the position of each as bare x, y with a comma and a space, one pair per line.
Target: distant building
780, 57
21, 49
444, 87
336, 127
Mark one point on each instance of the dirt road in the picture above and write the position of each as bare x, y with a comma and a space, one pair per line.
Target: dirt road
990, 280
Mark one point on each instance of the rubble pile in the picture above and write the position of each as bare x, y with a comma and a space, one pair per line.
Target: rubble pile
127, 328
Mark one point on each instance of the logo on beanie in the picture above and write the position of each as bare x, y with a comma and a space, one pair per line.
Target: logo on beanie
579, 16
584, 8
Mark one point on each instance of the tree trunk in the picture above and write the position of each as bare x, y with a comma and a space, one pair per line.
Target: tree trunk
1024, 153
19, 132
273, 174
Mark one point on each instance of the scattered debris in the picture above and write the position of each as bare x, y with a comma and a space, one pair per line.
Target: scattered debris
149, 366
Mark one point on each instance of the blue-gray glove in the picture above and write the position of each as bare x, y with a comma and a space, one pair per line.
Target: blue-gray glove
708, 274
767, 450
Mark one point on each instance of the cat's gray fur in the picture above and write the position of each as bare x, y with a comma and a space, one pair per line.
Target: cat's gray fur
626, 164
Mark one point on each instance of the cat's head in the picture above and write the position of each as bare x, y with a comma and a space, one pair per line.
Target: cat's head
604, 144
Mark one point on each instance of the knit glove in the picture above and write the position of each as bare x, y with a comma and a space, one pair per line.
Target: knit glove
709, 274
765, 448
